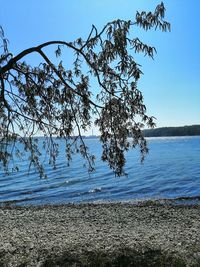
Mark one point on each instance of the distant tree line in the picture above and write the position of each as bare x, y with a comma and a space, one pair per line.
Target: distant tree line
173, 131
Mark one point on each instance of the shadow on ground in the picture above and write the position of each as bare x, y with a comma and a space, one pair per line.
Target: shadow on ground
126, 258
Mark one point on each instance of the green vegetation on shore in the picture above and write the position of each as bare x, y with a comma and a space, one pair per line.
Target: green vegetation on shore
173, 131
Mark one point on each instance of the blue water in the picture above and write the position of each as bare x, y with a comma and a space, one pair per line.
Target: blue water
171, 170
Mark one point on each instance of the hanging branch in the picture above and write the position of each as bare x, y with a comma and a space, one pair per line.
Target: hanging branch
54, 101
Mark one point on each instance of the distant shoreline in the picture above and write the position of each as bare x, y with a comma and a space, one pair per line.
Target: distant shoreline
192, 130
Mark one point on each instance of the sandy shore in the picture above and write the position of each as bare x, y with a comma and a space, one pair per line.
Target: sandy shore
112, 234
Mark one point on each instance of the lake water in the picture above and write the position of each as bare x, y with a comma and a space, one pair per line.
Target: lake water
170, 170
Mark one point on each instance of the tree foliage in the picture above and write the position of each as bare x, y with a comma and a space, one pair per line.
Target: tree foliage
54, 100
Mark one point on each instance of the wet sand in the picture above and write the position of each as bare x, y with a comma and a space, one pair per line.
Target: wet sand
111, 234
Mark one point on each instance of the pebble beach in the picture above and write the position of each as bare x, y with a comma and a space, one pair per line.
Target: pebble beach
106, 234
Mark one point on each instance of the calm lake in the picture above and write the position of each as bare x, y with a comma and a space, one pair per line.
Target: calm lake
170, 170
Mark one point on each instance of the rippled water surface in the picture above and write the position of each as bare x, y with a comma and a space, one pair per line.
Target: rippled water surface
171, 170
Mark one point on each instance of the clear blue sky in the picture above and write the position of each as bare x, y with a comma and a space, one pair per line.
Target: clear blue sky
170, 84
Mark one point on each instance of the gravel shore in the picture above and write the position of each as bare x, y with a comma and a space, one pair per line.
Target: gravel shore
111, 234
